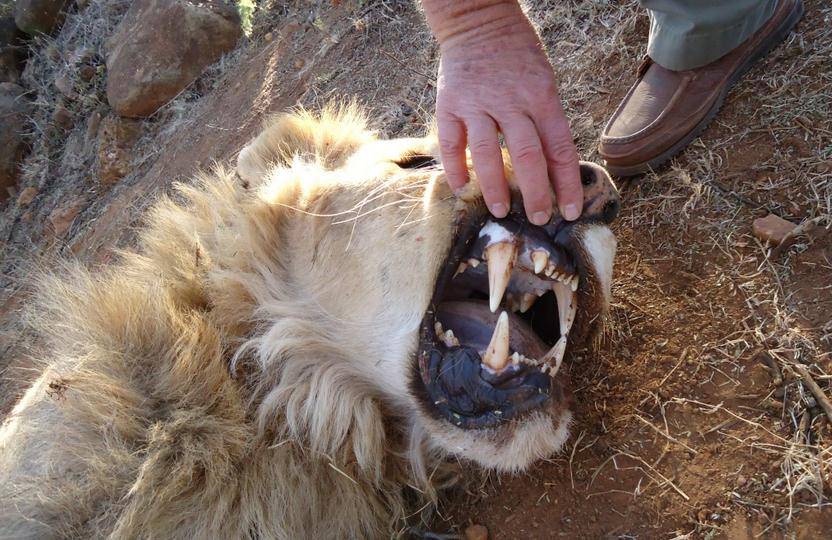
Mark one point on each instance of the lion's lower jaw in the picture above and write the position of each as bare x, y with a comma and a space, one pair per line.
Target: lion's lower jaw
509, 448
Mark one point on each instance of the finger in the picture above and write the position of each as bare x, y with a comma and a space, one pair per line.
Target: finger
562, 163
488, 163
529, 166
452, 151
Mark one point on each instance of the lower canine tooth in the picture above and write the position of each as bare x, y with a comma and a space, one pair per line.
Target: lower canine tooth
501, 257
554, 357
567, 307
496, 354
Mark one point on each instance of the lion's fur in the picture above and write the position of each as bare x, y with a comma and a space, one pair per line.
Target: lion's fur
146, 432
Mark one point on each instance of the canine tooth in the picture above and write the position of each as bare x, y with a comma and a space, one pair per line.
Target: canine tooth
461, 268
566, 306
554, 357
540, 259
496, 354
500, 258
527, 301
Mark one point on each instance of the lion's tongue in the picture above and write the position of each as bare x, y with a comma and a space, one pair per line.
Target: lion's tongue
473, 324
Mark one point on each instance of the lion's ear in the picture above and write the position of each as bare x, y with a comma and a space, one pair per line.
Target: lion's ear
327, 139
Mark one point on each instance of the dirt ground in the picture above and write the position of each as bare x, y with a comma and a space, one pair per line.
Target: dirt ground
690, 420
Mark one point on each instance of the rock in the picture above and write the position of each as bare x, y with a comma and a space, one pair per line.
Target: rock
476, 532
87, 72
92, 125
39, 16
772, 229
12, 51
61, 218
116, 139
65, 86
14, 113
26, 196
161, 46
62, 118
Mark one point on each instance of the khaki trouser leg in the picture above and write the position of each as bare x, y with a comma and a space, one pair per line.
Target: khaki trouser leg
686, 34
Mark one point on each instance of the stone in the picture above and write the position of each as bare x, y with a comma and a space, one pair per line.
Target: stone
93, 123
27, 196
476, 532
12, 51
116, 139
62, 117
87, 72
39, 16
161, 46
65, 86
62, 217
14, 114
772, 229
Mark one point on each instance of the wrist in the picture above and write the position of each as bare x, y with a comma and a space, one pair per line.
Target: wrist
476, 23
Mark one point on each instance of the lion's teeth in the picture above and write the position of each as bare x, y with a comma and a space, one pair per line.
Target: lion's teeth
461, 268
473, 263
501, 257
573, 283
496, 354
527, 301
554, 357
540, 259
567, 307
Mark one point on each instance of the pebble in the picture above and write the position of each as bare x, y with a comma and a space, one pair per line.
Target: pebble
772, 229
476, 532
26, 196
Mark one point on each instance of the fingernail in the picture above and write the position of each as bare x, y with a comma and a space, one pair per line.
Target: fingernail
499, 210
540, 218
571, 212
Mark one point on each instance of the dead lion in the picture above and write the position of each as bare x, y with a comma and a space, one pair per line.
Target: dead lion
294, 344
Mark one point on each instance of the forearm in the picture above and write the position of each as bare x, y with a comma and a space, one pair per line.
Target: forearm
475, 22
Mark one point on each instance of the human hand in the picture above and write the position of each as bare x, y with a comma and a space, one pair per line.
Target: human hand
496, 78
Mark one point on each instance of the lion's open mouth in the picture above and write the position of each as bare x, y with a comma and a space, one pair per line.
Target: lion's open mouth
502, 316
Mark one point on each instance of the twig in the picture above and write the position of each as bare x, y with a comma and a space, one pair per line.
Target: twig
430, 79
814, 388
663, 477
666, 435
679, 363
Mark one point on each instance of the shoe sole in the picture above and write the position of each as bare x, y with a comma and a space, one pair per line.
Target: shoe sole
762, 51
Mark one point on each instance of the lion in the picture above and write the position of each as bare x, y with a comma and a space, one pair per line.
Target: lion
297, 344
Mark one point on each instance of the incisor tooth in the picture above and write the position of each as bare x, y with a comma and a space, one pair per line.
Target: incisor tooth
540, 259
496, 354
500, 258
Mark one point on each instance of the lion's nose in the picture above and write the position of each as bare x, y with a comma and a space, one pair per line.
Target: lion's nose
601, 199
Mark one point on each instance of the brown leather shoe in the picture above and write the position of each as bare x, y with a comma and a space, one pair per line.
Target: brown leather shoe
665, 110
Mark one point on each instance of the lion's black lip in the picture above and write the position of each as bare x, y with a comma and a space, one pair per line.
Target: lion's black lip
470, 396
